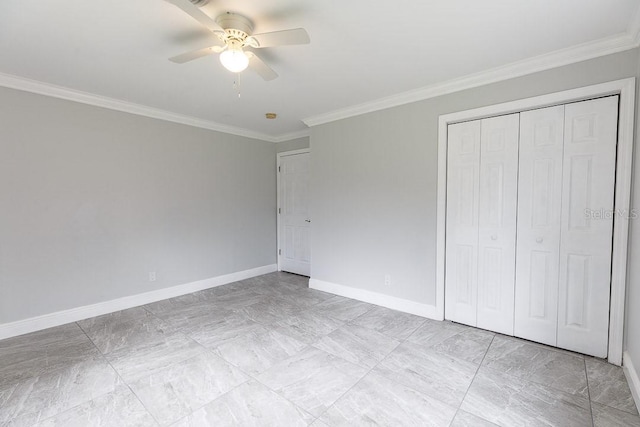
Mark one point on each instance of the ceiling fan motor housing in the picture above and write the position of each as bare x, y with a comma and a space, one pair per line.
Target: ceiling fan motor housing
236, 26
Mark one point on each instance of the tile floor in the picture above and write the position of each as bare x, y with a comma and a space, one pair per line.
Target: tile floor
268, 351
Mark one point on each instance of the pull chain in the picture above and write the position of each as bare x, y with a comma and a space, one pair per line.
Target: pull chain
236, 84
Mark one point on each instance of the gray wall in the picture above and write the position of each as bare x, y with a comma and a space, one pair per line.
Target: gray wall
633, 280
374, 181
293, 144
93, 199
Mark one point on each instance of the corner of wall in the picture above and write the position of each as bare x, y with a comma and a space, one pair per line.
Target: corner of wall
632, 378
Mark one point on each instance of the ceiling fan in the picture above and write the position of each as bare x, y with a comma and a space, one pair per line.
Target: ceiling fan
234, 33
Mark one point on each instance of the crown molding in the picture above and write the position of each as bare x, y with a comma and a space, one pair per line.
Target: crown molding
574, 54
292, 135
47, 89
558, 58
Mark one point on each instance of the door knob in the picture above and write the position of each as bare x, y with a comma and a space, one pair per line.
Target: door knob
494, 237
539, 240
307, 220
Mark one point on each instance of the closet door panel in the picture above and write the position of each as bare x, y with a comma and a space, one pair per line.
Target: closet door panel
587, 225
497, 222
461, 273
538, 237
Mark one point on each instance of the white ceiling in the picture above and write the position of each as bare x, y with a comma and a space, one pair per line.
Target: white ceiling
360, 50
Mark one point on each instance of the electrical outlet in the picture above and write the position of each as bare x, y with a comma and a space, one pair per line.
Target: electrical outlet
152, 276
387, 280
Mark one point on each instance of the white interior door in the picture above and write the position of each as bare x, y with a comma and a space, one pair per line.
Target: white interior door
539, 207
463, 172
587, 225
294, 254
497, 222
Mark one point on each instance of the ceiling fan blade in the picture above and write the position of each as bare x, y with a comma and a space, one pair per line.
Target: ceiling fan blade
195, 54
282, 38
197, 14
259, 66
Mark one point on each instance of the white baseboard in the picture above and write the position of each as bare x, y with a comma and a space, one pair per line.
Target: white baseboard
45, 321
400, 304
632, 377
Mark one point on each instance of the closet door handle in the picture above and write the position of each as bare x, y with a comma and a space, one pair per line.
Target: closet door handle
494, 237
539, 240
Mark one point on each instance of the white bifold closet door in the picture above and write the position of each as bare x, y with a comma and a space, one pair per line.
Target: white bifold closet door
481, 222
539, 212
588, 182
565, 224
497, 222
463, 188
530, 200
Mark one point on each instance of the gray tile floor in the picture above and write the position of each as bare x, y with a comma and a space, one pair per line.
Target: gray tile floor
268, 351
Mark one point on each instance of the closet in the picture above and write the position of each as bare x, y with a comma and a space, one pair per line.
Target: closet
529, 223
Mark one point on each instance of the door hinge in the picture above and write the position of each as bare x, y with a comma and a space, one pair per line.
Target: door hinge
279, 251
279, 210
278, 168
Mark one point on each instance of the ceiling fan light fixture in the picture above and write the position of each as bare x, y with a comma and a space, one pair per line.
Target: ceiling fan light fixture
235, 32
234, 60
